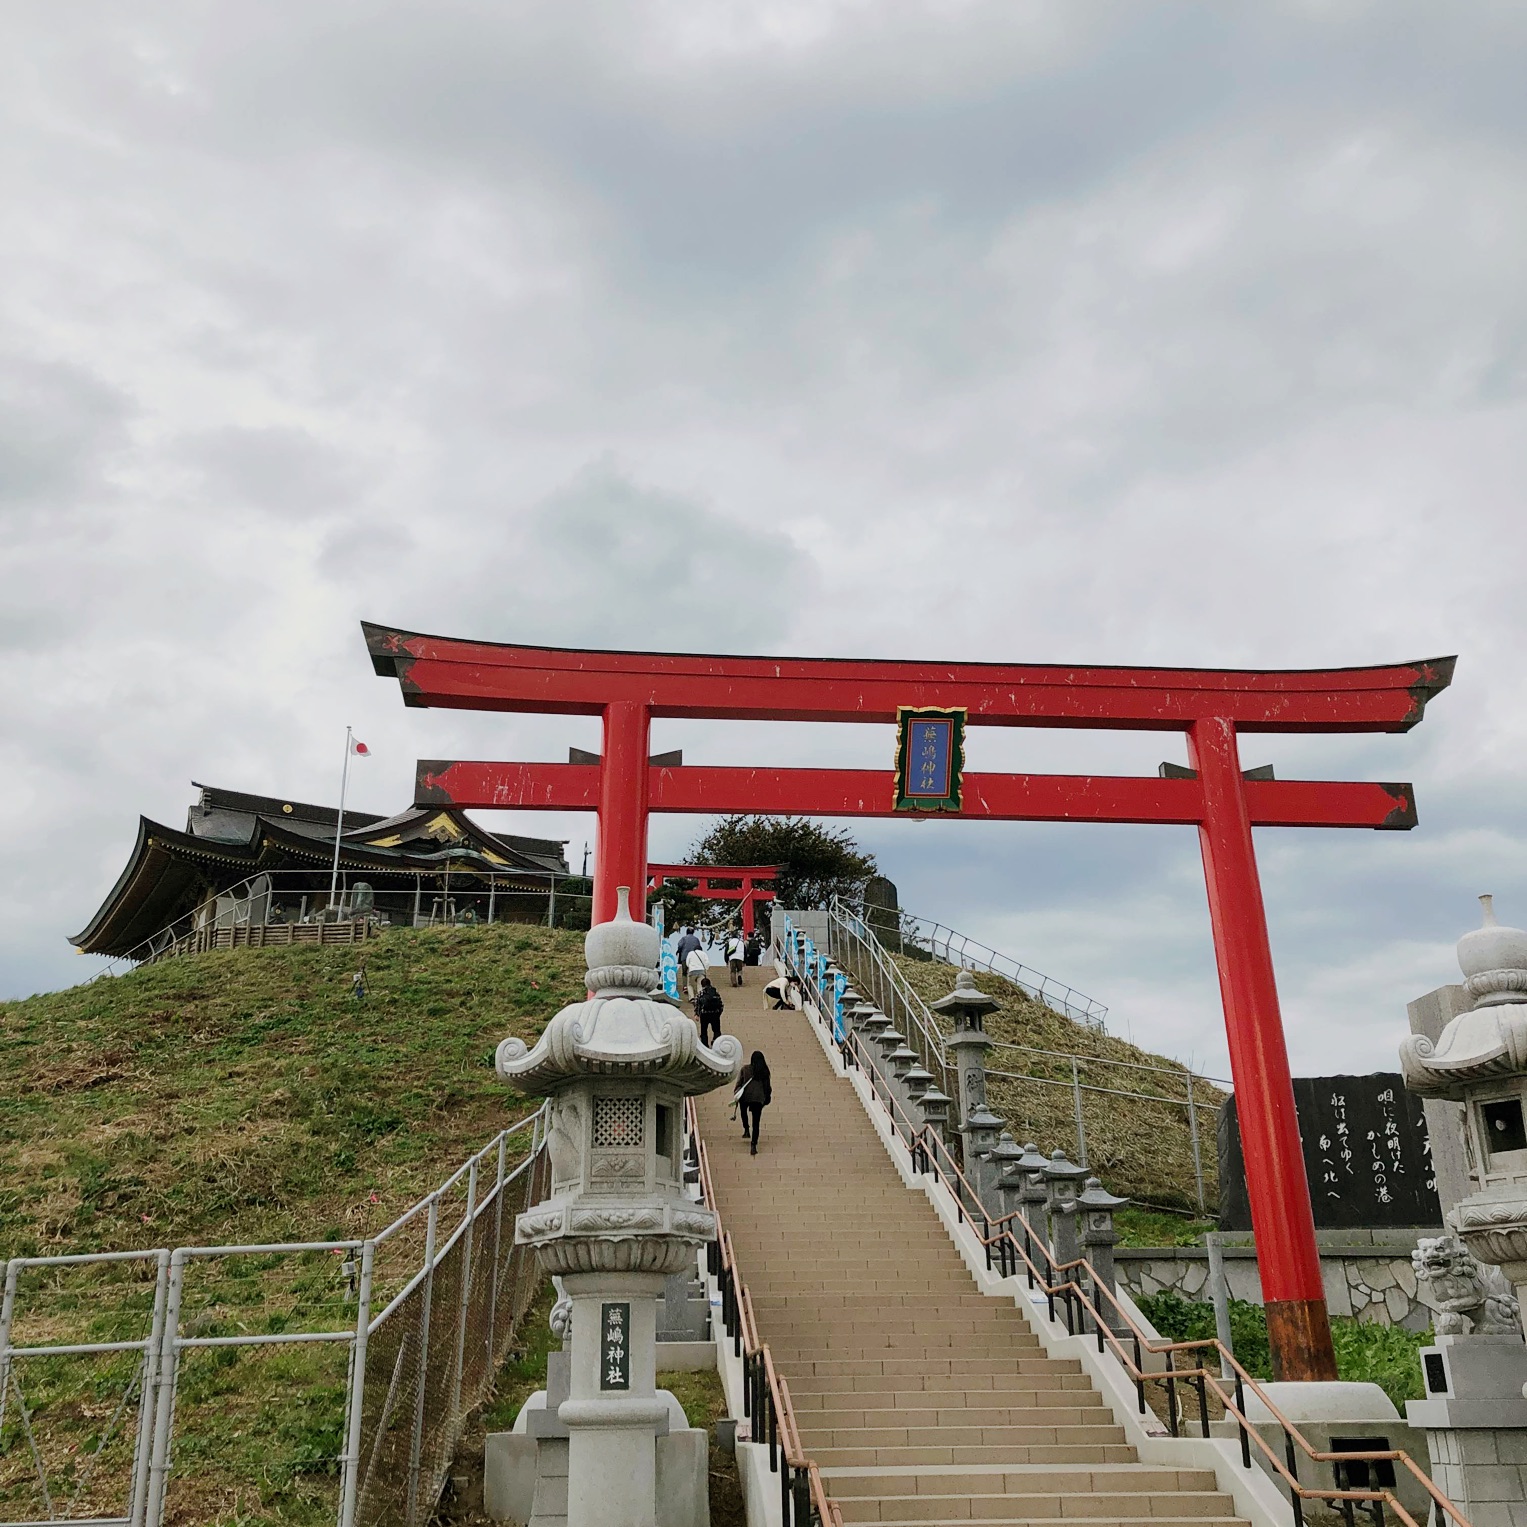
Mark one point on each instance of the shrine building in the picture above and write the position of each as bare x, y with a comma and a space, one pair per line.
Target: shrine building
257, 869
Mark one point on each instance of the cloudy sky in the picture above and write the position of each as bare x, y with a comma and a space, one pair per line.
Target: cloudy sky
1128, 333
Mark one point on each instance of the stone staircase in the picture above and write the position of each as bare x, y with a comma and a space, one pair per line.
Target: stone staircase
921, 1400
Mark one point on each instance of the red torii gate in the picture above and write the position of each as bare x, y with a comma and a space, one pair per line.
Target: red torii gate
1211, 707
749, 892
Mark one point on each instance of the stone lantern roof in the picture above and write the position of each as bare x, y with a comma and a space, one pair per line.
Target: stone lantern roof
1490, 1039
620, 1030
967, 1001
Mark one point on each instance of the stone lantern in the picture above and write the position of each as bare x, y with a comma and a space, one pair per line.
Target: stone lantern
1474, 1413
1033, 1189
1480, 1060
935, 1106
617, 1069
917, 1081
1005, 1156
968, 1006
1097, 1207
901, 1060
1061, 1180
979, 1126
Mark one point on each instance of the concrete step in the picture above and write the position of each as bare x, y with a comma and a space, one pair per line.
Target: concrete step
1092, 1521
1033, 1479
923, 1401
964, 1455
1169, 1505
918, 1430
927, 1415
904, 1399
1021, 1387
947, 1364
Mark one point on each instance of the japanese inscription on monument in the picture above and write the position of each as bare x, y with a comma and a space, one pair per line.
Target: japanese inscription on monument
1366, 1155
614, 1348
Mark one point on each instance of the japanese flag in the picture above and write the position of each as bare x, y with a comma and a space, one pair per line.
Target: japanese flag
359, 748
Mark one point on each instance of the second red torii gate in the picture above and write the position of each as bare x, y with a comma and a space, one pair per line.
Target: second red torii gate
756, 883
1211, 707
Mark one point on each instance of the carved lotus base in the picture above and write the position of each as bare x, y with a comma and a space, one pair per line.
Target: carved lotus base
575, 1237
1495, 1231
573, 1254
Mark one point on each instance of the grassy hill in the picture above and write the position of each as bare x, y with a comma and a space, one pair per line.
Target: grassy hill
1138, 1146
243, 1097
247, 1096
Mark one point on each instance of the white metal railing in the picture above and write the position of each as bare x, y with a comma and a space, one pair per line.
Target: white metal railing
112, 1362
853, 944
967, 953
856, 945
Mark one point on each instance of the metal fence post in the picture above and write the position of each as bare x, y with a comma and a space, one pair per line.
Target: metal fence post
138, 1501
7, 1314
498, 1236
1081, 1129
356, 1399
164, 1397
416, 1446
465, 1297
1198, 1165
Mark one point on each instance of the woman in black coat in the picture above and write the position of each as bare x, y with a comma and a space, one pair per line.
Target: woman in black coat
754, 1094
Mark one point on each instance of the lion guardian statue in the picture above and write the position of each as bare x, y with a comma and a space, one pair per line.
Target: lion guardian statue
1467, 1296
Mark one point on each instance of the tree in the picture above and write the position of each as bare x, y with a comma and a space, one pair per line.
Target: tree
681, 907
815, 862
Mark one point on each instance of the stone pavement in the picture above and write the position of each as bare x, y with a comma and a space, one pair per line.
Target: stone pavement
922, 1400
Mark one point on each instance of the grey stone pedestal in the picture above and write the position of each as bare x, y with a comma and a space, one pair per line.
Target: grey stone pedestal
1475, 1420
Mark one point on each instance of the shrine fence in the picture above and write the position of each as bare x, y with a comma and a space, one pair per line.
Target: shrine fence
323, 1379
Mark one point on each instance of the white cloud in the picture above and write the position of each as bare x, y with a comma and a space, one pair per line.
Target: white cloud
1023, 331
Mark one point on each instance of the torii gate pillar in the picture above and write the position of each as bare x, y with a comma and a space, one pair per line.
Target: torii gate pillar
622, 857
1293, 1292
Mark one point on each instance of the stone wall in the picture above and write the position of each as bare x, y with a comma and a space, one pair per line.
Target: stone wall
1369, 1283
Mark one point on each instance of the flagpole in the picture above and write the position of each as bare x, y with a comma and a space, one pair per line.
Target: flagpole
339, 826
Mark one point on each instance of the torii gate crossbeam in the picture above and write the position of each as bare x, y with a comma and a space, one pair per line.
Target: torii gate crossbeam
1210, 706
747, 892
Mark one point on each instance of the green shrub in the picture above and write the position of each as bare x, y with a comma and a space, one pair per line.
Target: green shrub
1375, 1354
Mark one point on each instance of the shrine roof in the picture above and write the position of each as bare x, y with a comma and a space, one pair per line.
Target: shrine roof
169, 871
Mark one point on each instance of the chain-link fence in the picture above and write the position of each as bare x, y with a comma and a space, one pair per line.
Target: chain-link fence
322, 1382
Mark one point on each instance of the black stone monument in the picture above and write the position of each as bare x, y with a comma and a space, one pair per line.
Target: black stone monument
1366, 1155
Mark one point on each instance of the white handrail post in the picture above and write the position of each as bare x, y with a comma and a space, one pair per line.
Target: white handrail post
356, 1398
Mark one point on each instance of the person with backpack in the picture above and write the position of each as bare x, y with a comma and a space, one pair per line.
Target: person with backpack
736, 953
708, 1009
754, 1094
684, 945
695, 966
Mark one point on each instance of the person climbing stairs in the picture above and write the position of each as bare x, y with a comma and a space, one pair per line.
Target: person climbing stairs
921, 1400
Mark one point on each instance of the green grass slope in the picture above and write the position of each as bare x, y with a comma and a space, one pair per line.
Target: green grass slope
1138, 1146
242, 1097
246, 1096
